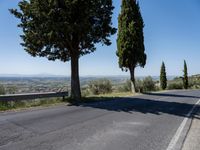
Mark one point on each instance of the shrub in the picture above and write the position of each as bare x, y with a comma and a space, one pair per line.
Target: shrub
194, 84
148, 84
177, 85
101, 86
85, 91
11, 89
139, 85
126, 87
145, 85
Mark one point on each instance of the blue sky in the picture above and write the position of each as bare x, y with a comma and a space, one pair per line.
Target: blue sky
172, 34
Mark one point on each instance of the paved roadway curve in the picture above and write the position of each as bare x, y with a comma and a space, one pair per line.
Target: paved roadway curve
146, 122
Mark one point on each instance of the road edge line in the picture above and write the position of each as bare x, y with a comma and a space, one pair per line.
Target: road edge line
177, 135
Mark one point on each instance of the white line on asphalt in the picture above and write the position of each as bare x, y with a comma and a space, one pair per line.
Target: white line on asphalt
177, 135
163, 98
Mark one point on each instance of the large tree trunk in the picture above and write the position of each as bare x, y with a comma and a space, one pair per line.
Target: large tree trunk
132, 74
75, 82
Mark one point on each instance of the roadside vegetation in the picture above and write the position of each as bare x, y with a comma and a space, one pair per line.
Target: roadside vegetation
185, 76
2, 90
69, 35
72, 34
105, 89
130, 40
10, 105
163, 77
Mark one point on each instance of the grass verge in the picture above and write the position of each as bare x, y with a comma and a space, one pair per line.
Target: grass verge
19, 105
102, 97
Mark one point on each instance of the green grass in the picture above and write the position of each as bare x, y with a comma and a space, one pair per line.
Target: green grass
10, 105
104, 97
114, 94
4, 106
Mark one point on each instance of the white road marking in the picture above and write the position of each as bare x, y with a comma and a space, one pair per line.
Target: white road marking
163, 98
177, 135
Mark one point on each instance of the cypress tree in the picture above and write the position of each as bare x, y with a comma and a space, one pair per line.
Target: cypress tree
130, 41
163, 77
185, 76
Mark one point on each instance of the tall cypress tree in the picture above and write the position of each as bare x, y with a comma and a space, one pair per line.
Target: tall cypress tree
130, 41
163, 77
185, 76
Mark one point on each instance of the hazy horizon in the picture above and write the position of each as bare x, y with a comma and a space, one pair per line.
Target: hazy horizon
56, 75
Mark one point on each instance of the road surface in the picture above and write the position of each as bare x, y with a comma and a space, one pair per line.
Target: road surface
145, 122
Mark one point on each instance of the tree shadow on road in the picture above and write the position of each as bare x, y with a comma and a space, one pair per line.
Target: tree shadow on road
171, 95
145, 105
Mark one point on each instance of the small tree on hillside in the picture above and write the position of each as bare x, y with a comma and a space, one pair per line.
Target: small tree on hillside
65, 30
163, 77
185, 76
130, 41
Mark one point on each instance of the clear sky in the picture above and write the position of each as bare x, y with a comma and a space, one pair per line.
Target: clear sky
172, 34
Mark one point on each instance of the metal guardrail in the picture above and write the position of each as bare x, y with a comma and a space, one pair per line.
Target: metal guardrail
31, 96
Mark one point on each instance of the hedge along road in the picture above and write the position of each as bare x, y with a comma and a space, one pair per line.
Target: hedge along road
145, 122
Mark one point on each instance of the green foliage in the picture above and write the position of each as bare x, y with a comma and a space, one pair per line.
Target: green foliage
145, 85
11, 89
139, 85
194, 82
2, 90
175, 85
148, 84
126, 87
57, 29
102, 86
65, 30
7, 105
163, 77
185, 76
85, 91
130, 42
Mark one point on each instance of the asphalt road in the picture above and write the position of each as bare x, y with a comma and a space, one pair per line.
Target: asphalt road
146, 122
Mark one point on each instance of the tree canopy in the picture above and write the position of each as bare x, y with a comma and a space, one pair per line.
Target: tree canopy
185, 76
130, 41
58, 28
65, 29
163, 77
